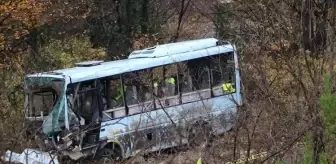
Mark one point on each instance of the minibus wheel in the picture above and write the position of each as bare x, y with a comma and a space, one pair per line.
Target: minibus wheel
108, 155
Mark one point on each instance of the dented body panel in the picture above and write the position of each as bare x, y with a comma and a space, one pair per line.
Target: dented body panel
154, 130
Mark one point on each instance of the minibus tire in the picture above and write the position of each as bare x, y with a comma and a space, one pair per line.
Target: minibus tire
108, 153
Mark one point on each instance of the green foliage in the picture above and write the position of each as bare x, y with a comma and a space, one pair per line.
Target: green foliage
73, 50
65, 53
279, 161
308, 152
308, 149
324, 158
328, 105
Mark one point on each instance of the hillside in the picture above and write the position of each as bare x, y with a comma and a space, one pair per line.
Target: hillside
286, 59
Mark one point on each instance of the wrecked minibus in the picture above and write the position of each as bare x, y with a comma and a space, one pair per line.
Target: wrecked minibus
157, 98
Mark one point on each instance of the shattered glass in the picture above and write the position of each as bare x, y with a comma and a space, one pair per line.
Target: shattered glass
55, 120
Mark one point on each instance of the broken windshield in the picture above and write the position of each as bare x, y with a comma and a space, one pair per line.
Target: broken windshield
42, 93
46, 98
42, 102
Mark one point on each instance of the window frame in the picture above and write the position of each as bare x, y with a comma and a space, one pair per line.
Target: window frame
222, 81
32, 111
179, 95
82, 90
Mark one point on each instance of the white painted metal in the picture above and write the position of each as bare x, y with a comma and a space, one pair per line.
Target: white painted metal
176, 54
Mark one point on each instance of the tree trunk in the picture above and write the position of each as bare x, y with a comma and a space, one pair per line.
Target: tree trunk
307, 25
144, 16
320, 40
317, 138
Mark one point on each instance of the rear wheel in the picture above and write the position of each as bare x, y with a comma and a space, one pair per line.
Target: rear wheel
108, 155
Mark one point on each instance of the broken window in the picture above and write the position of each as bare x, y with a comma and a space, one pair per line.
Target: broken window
46, 97
131, 87
115, 92
113, 95
43, 102
43, 93
169, 87
185, 81
144, 79
222, 73
86, 104
199, 73
158, 81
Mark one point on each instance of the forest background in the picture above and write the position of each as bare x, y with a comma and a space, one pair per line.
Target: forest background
286, 50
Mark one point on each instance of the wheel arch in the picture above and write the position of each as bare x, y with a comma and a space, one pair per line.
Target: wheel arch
113, 145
